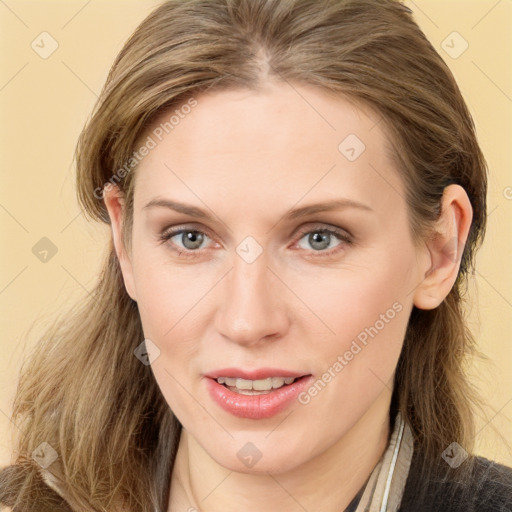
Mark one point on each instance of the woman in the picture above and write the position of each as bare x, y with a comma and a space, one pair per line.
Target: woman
295, 193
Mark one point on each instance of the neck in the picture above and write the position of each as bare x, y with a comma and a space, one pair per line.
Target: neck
327, 482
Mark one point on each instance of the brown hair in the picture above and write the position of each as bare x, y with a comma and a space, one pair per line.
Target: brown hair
83, 391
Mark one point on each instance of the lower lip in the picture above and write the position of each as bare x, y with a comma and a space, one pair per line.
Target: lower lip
256, 406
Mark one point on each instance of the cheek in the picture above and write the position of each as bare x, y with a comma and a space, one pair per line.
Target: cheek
349, 300
169, 296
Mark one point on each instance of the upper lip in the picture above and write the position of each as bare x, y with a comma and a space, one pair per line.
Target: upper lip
255, 374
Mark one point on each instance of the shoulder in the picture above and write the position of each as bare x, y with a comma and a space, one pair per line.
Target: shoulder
493, 485
485, 486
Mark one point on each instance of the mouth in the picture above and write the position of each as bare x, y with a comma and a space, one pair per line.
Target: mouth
257, 394
255, 387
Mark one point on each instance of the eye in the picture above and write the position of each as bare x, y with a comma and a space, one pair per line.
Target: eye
323, 240
185, 241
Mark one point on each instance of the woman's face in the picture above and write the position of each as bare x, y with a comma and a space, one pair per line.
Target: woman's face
289, 254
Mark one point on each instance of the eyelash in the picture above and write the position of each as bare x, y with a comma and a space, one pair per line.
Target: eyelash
342, 236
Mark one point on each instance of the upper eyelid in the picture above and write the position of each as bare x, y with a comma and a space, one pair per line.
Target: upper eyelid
319, 226
324, 227
176, 230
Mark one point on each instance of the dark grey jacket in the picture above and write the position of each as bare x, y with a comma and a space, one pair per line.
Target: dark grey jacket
487, 489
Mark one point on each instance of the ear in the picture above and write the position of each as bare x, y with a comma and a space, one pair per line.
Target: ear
445, 247
114, 202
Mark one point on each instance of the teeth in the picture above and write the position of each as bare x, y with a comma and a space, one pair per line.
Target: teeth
255, 385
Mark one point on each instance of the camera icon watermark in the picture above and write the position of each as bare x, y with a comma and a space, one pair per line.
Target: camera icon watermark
454, 45
44, 250
45, 455
351, 147
249, 249
249, 454
44, 45
147, 352
454, 455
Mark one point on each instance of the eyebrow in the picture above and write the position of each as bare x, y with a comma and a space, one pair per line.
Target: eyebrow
293, 214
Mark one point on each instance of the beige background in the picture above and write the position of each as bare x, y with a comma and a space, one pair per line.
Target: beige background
44, 103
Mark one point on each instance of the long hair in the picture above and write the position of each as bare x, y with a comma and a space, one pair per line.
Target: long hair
83, 392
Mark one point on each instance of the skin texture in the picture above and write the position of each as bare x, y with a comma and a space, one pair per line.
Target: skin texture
248, 158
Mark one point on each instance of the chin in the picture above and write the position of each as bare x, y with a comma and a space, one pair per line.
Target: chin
274, 465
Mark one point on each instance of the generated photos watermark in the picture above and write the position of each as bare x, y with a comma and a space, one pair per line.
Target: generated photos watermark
355, 348
150, 143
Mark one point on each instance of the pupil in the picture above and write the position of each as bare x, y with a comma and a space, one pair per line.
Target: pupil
319, 240
193, 239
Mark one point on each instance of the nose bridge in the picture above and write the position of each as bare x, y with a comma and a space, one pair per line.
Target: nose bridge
250, 309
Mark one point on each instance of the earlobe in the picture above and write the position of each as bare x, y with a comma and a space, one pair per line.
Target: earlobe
114, 202
445, 247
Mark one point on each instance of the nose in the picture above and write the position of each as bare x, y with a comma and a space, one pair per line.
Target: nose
252, 309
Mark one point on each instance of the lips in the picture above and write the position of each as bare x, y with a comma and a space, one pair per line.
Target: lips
256, 374
255, 404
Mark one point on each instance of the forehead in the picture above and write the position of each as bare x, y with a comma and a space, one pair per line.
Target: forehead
275, 146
